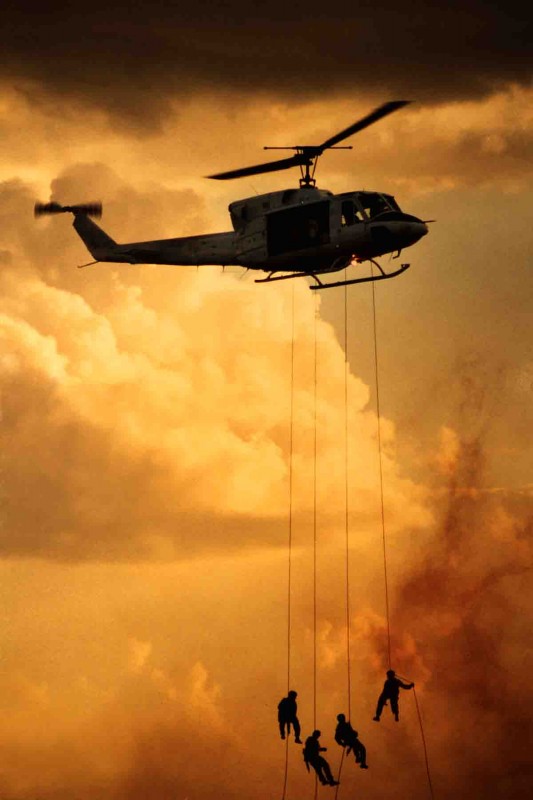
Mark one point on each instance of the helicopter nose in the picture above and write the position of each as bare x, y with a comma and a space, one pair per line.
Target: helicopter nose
415, 229
397, 230
410, 229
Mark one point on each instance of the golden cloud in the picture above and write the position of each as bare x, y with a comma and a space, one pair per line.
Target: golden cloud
145, 497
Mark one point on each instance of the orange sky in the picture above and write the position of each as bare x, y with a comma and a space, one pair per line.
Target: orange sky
146, 429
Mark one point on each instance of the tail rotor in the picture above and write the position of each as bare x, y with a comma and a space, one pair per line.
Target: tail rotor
86, 209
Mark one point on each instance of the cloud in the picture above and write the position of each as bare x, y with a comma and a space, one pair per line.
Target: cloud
206, 640
420, 154
459, 609
145, 591
139, 654
446, 457
146, 411
130, 62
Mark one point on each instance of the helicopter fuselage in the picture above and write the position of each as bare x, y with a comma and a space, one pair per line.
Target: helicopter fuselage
312, 229
305, 230
291, 233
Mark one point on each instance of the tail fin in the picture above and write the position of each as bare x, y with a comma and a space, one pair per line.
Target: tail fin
97, 242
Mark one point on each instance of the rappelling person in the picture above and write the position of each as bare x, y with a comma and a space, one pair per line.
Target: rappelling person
391, 691
312, 757
287, 716
347, 737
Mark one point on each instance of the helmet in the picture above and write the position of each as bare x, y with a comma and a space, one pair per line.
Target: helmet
292, 693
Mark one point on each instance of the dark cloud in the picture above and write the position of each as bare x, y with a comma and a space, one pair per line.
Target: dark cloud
132, 59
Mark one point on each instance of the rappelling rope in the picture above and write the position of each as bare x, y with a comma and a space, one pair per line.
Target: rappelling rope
340, 773
291, 436
422, 735
384, 537
424, 743
346, 506
346, 525
289, 565
315, 527
285, 776
381, 473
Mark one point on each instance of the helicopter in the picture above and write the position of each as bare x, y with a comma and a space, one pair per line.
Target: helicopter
292, 233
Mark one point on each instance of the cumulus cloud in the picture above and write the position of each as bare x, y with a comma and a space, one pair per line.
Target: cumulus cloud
420, 151
159, 678
156, 414
145, 439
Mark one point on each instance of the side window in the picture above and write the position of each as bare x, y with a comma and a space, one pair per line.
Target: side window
349, 214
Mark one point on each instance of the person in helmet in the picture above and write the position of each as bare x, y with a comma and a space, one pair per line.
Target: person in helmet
391, 691
287, 709
347, 737
312, 757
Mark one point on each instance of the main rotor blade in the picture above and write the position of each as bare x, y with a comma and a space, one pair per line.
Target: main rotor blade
272, 166
374, 116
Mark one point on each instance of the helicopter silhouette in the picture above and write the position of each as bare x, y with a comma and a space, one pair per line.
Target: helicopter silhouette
293, 233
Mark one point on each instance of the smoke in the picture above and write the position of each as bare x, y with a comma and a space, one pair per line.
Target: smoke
466, 606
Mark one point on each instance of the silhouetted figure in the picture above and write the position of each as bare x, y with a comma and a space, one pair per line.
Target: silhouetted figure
312, 757
287, 716
347, 737
391, 691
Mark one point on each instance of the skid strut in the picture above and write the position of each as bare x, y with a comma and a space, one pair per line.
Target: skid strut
273, 277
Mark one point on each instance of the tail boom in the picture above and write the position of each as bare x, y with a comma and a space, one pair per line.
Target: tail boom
216, 248
97, 242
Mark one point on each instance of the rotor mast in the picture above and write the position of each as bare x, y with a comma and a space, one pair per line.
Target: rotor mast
312, 154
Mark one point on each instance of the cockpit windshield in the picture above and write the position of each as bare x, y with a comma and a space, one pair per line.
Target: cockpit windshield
392, 202
374, 203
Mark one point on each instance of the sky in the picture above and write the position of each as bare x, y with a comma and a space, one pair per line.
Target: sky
146, 411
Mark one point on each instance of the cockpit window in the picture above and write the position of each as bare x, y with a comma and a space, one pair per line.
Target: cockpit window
374, 204
392, 202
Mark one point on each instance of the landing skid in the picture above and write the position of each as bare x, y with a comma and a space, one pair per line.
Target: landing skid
382, 277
